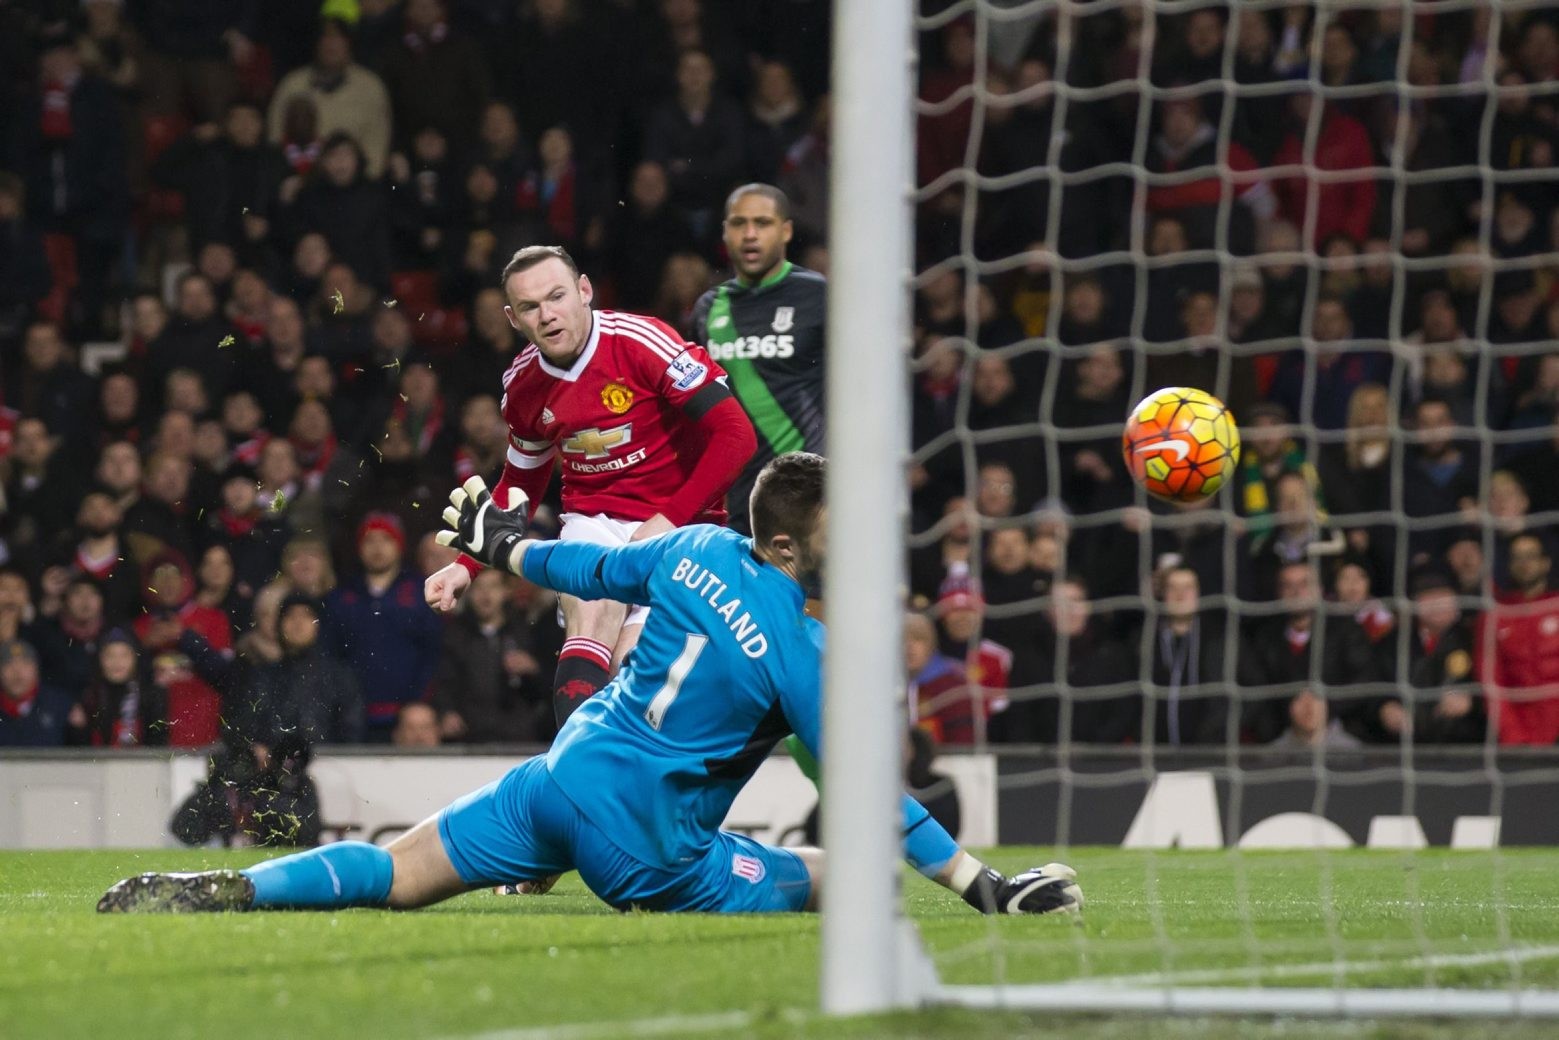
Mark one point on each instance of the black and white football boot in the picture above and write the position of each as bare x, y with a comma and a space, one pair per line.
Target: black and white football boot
210, 891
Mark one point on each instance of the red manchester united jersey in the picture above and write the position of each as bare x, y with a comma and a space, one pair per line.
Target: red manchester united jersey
615, 420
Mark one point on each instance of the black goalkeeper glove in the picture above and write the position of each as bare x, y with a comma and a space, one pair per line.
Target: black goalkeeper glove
1049, 889
483, 530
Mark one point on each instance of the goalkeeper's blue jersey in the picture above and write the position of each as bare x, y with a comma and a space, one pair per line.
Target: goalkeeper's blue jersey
726, 666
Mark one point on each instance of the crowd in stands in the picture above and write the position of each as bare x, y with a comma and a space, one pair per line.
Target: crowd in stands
286, 220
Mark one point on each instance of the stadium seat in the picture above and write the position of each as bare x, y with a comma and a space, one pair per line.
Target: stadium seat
61, 252
160, 205
434, 327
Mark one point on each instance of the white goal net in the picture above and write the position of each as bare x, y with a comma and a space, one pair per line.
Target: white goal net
1289, 736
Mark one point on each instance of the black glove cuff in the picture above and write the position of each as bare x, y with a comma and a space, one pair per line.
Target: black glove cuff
982, 893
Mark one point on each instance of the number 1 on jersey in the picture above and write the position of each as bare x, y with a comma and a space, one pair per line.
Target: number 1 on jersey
655, 714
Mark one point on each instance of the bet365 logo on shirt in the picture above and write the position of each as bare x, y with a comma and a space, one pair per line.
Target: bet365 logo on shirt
750, 347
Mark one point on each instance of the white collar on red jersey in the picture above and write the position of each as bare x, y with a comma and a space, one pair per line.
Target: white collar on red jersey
572, 373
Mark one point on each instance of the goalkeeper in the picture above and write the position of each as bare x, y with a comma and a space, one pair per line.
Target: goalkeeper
636, 785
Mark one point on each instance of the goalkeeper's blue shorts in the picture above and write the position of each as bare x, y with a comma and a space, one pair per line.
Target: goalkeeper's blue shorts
523, 827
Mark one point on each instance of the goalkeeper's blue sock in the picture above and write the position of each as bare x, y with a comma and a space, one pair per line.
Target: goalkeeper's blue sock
347, 873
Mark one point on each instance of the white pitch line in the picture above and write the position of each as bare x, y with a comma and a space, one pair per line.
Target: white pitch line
1205, 976
670, 1025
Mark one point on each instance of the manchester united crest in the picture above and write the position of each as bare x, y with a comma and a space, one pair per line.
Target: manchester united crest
617, 398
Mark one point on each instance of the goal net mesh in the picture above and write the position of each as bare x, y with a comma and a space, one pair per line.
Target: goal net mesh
1339, 219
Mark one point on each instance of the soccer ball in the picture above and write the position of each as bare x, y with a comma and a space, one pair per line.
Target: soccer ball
1181, 444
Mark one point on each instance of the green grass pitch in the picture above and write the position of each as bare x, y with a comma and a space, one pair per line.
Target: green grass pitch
563, 965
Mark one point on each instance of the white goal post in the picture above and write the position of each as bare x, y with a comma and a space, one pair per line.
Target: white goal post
871, 956
870, 222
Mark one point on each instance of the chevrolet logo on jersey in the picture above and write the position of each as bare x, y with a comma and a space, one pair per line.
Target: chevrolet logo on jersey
596, 443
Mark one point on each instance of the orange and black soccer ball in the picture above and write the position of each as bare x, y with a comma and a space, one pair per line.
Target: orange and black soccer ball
1181, 444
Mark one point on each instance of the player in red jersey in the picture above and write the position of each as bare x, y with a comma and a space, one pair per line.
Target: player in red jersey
648, 435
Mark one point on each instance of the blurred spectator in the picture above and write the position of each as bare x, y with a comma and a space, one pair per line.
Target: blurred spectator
122, 705
119, 410
941, 701
230, 179
1431, 213
1370, 304
1439, 658
161, 517
1268, 451
42, 488
551, 64
803, 177
384, 631
416, 727
1440, 478
1170, 285
423, 189
562, 201
996, 490
1248, 320
346, 97
1077, 655
951, 551
1192, 660
1086, 316
1517, 657
1187, 142
18, 616
67, 638
95, 550
1355, 473
1009, 577
1341, 144
305, 696
1298, 530
69, 147
306, 566
960, 615
247, 529
484, 441
24, 265
194, 52
217, 587
1193, 54
1276, 656
998, 402
687, 277
32, 713
942, 135
351, 211
197, 338
111, 48
1092, 394
1352, 587
501, 147
1311, 725
437, 77
491, 687
1333, 371
776, 118
49, 385
643, 235
1202, 360
697, 137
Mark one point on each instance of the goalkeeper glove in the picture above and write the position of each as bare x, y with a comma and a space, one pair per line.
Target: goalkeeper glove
483, 530
1049, 889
